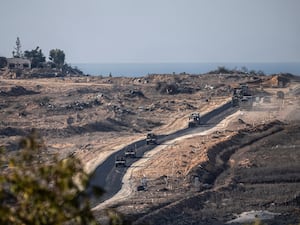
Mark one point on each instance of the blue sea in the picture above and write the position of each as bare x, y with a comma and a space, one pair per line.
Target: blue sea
142, 69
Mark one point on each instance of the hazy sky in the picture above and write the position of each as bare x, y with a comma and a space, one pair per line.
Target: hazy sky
155, 30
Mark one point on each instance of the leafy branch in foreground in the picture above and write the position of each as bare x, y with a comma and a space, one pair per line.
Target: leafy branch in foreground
36, 188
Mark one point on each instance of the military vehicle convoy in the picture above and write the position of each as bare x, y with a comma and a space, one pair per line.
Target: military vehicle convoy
151, 139
194, 120
120, 161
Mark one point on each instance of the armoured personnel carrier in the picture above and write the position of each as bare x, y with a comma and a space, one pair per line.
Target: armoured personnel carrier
242, 97
120, 161
151, 139
194, 120
130, 153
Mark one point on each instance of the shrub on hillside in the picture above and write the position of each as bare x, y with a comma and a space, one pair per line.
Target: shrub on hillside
3, 62
165, 88
36, 188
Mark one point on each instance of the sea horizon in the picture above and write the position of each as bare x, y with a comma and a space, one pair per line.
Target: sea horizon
143, 69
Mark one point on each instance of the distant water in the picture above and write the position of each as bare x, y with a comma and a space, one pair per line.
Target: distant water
142, 69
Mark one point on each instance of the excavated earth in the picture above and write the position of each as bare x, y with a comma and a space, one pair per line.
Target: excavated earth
252, 169
248, 162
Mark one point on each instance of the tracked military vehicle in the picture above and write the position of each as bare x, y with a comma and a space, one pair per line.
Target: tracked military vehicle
130, 153
120, 161
242, 97
235, 101
151, 139
194, 120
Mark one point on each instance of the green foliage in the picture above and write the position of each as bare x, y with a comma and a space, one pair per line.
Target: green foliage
115, 218
36, 56
36, 188
57, 56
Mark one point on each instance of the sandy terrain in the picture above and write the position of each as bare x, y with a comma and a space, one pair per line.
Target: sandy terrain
81, 115
169, 166
92, 117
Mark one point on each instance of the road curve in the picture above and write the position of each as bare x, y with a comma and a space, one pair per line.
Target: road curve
108, 177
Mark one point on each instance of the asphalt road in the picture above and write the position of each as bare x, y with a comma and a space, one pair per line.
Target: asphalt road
109, 177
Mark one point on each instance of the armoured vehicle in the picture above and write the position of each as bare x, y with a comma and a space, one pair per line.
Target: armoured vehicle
235, 101
130, 153
143, 186
151, 139
194, 120
120, 161
246, 102
242, 97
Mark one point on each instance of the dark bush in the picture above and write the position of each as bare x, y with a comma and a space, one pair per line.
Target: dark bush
165, 88
3, 62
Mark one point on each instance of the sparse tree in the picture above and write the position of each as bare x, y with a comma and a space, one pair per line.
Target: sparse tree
57, 56
17, 53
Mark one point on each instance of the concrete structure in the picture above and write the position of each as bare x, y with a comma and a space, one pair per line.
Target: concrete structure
18, 63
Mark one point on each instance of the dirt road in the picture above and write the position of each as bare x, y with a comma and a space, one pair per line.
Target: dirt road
108, 176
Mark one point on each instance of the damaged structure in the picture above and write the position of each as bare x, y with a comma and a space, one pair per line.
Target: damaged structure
18, 63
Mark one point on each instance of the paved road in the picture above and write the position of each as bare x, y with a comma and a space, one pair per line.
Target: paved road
107, 176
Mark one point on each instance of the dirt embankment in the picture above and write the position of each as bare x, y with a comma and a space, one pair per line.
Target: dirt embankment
228, 178
239, 165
